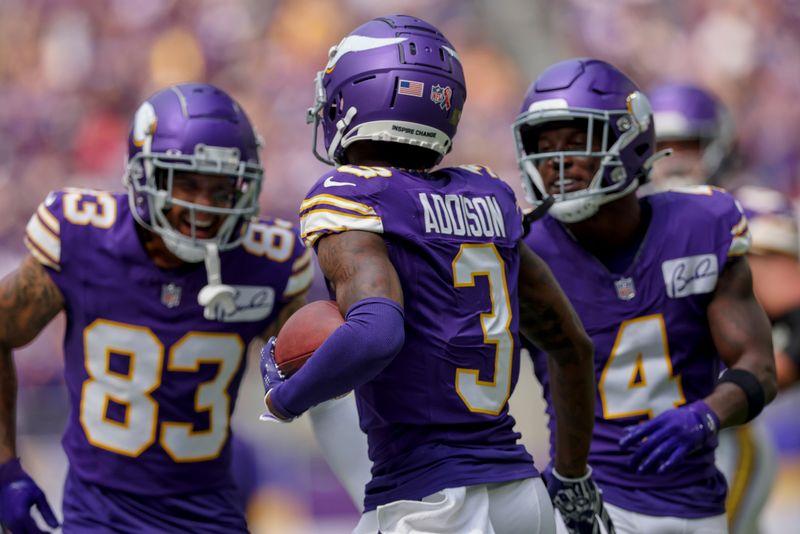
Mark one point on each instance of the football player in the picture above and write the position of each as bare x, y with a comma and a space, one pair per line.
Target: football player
699, 130
662, 289
164, 288
425, 266
697, 127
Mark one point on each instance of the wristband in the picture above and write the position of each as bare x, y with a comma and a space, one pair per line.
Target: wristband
752, 388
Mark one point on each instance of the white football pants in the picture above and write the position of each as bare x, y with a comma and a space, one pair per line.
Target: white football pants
518, 507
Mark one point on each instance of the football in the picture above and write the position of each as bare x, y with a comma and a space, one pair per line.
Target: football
304, 332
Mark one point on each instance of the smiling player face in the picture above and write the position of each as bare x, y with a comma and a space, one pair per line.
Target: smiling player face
578, 170
206, 191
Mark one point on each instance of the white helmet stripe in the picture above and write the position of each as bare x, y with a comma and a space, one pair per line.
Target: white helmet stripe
452, 52
359, 43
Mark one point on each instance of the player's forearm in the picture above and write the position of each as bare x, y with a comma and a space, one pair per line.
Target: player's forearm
546, 317
572, 389
372, 334
746, 347
743, 337
731, 402
8, 405
744, 341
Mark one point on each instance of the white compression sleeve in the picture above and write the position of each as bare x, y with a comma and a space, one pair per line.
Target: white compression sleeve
343, 444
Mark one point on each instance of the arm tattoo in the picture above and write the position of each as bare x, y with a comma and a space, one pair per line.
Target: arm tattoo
548, 319
335, 266
546, 316
29, 299
357, 265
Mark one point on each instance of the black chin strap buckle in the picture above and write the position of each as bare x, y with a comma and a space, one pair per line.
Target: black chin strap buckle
534, 215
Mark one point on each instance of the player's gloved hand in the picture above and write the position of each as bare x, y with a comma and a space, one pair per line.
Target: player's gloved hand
580, 503
664, 441
18, 493
271, 376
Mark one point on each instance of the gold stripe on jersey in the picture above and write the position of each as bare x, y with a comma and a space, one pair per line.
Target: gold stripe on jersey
742, 239
338, 202
740, 227
44, 239
317, 223
478, 169
49, 220
299, 282
40, 256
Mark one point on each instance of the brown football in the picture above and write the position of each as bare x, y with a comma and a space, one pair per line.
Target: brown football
304, 332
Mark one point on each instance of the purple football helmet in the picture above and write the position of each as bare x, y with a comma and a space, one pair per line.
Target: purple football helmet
595, 94
195, 128
395, 79
684, 112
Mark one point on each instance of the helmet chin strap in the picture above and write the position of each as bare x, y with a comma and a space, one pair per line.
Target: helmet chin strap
580, 209
575, 209
185, 252
648, 164
341, 126
215, 297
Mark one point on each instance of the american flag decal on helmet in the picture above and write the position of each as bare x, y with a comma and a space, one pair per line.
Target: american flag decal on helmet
410, 88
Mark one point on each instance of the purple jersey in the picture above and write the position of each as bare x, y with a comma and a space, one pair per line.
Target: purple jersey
437, 416
653, 347
152, 383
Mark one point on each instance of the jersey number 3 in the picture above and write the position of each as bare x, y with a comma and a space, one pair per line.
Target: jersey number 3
483, 396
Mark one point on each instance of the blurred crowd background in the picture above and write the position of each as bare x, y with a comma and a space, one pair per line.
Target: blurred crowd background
73, 71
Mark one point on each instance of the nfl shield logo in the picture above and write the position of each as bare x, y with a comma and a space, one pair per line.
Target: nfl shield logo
170, 295
625, 288
442, 96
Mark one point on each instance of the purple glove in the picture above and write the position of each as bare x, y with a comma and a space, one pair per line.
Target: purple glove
579, 502
272, 376
663, 442
18, 492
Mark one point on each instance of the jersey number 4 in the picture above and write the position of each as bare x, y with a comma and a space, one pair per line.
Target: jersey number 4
130, 386
637, 379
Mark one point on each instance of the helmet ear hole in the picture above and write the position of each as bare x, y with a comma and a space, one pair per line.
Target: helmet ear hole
336, 108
